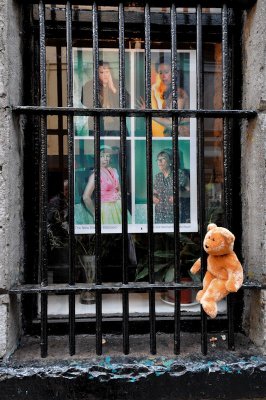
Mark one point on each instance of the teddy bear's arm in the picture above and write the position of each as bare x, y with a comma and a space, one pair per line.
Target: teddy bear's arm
196, 266
235, 275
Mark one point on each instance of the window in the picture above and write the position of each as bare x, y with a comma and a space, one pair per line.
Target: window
129, 127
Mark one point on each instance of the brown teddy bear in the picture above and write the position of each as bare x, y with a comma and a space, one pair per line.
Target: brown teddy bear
224, 271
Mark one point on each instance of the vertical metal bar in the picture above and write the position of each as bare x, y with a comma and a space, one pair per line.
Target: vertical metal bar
60, 104
43, 181
149, 176
53, 11
177, 312
44, 335
201, 174
227, 158
70, 141
226, 133
31, 164
97, 170
36, 165
122, 104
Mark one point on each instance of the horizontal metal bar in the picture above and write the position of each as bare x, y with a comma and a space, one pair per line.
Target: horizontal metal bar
243, 4
132, 17
117, 287
129, 112
104, 288
134, 317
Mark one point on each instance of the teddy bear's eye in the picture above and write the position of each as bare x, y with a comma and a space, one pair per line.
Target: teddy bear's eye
213, 239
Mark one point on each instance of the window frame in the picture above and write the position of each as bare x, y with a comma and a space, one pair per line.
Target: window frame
200, 113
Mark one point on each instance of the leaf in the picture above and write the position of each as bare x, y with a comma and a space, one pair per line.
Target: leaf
145, 270
164, 254
170, 274
160, 276
141, 274
159, 267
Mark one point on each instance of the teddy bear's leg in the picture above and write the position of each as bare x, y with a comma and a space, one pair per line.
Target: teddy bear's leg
206, 282
214, 293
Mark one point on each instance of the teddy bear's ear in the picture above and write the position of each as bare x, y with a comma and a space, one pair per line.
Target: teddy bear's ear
229, 236
211, 226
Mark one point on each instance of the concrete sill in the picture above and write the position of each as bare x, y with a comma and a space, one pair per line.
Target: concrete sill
222, 374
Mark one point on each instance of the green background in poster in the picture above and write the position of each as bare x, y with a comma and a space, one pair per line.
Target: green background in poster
140, 163
83, 72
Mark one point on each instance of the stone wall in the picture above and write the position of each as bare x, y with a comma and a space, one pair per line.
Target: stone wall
253, 162
11, 172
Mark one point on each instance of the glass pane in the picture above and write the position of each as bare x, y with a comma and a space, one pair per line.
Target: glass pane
136, 148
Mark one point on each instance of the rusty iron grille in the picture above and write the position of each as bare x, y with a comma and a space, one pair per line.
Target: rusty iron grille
42, 111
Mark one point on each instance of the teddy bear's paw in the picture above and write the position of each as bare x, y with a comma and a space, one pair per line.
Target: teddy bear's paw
199, 295
231, 286
210, 308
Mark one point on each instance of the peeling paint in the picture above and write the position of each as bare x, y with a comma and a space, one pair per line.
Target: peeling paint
110, 368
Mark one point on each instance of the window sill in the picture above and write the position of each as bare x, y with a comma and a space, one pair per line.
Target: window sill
222, 374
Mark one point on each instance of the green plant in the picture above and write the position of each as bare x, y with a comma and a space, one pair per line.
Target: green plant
164, 259
58, 229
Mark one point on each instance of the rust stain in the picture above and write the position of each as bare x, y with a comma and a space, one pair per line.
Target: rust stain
250, 129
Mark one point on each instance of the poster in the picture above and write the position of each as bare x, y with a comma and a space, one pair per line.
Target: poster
162, 146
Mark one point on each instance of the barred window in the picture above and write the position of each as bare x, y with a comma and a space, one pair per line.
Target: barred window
132, 122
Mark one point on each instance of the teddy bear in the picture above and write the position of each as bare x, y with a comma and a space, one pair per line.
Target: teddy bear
224, 272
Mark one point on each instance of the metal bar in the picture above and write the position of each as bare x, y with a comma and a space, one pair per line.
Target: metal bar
43, 182
53, 11
201, 175
177, 312
226, 105
185, 21
44, 335
149, 176
227, 159
97, 171
70, 141
117, 287
122, 104
134, 112
59, 104
43, 150
243, 4
36, 145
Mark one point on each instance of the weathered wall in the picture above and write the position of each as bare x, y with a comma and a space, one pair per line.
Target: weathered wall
11, 182
253, 168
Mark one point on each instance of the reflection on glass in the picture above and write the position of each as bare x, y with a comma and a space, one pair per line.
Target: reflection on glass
162, 179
